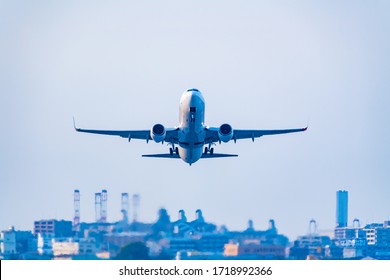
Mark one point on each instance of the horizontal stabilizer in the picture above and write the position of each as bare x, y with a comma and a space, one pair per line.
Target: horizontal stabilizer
217, 155
162, 155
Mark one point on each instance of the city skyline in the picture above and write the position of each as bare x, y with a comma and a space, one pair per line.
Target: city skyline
261, 65
133, 206
185, 238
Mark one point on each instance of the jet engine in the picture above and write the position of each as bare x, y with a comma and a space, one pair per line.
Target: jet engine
157, 133
225, 132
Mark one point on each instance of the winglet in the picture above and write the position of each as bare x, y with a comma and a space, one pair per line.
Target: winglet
74, 125
307, 126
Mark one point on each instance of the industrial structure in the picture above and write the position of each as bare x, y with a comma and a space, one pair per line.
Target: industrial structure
98, 206
76, 216
125, 207
103, 207
136, 200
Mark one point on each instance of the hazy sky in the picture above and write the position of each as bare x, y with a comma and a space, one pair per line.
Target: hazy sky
259, 64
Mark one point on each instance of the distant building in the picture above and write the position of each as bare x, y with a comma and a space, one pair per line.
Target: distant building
65, 248
353, 252
68, 248
298, 251
383, 237
53, 227
45, 243
269, 236
349, 242
212, 242
312, 244
8, 242
199, 244
26, 242
258, 250
342, 209
378, 240
177, 245
182, 227
343, 233
378, 234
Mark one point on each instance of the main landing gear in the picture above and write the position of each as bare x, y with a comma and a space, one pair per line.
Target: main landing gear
208, 150
173, 150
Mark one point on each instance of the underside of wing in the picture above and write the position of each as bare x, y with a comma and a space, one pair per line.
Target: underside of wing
171, 134
130, 134
212, 133
217, 155
163, 156
250, 134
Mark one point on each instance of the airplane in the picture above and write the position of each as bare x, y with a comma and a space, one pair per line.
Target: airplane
188, 139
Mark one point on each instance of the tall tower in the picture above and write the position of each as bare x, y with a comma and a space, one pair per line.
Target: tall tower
342, 209
98, 206
103, 209
136, 199
125, 206
76, 216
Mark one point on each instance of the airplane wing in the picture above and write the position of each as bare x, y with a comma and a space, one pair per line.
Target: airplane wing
217, 155
170, 137
212, 133
163, 156
177, 156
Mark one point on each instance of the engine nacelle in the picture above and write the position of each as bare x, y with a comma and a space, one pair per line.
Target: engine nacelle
225, 132
157, 133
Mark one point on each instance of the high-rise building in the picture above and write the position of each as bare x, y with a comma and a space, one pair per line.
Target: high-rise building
342, 209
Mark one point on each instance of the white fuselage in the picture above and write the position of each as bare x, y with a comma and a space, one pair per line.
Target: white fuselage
192, 129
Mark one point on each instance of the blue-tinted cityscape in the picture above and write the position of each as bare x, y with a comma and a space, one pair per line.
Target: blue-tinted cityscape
198, 239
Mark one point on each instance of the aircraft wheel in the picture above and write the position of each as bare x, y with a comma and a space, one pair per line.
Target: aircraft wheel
177, 150
206, 150
170, 151
211, 151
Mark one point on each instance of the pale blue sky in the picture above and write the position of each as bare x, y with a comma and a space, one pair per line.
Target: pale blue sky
259, 64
